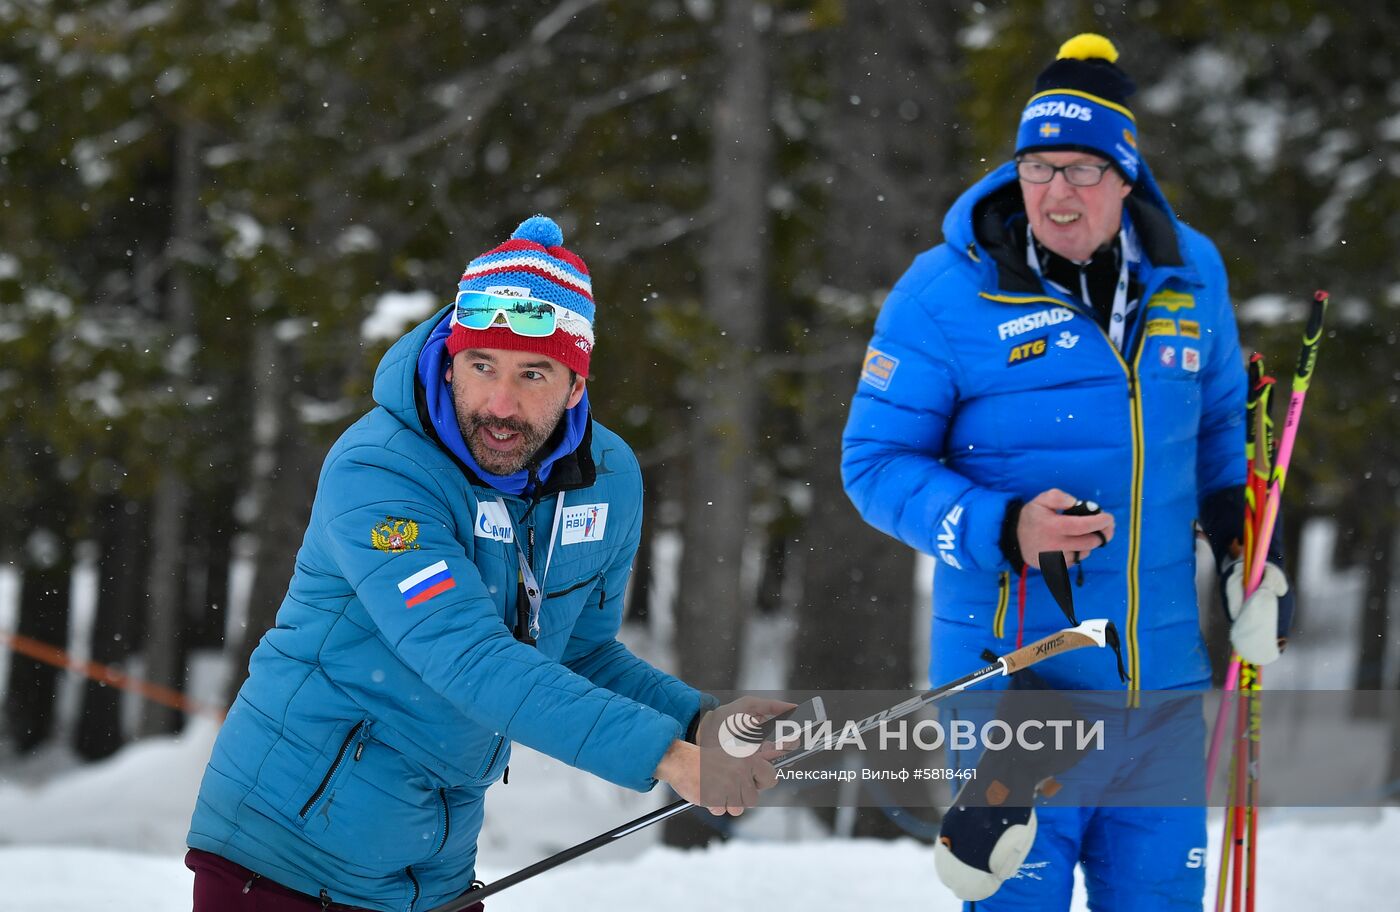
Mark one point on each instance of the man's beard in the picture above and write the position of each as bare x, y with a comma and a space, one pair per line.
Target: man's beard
532, 438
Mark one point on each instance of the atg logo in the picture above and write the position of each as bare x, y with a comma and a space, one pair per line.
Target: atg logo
583, 523
1027, 351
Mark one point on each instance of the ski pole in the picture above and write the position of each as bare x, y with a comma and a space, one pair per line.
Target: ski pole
1256, 472
1251, 676
1307, 361
1302, 378
1098, 633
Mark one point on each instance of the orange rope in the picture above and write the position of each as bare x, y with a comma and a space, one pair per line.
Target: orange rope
106, 674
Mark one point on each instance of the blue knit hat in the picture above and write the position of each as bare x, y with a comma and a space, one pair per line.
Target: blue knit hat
1081, 104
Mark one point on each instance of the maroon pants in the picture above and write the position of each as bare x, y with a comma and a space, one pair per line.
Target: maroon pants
222, 886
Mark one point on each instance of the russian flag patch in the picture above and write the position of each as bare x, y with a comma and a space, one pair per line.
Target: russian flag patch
426, 583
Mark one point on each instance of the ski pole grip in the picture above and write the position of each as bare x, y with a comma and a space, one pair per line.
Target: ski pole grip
1090, 633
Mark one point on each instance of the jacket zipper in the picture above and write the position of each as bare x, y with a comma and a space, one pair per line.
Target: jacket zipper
413, 879
575, 587
1135, 539
500, 740
1130, 371
330, 774
446, 820
1003, 599
522, 599
1136, 345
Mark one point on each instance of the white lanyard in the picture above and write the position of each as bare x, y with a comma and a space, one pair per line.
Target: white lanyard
534, 591
1118, 320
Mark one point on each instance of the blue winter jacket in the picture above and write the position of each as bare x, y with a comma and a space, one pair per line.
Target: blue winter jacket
983, 385
383, 703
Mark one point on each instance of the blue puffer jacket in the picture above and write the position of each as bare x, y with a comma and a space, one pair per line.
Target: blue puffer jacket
982, 385
379, 709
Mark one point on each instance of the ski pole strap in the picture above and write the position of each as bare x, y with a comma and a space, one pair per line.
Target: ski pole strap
1056, 573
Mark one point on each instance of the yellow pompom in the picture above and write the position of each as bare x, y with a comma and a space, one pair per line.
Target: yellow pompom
1088, 46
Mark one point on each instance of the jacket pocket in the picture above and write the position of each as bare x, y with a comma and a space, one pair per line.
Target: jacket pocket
377, 807
492, 758
567, 590
351, 749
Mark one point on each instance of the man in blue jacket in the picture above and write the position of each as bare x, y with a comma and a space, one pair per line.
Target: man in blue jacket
460, 587
1070, 340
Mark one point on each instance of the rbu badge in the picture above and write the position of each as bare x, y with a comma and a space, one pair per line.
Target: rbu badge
583, 523
878, 369
1027, 351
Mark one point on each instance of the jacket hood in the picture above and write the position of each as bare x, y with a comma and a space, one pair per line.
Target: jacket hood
977, 226
394, 378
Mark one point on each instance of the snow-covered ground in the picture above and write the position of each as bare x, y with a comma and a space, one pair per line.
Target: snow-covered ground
110, 836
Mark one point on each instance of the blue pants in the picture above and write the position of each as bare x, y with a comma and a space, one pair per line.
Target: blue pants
1135, 860
1132, 815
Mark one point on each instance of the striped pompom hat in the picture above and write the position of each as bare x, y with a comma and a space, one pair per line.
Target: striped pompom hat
534, 264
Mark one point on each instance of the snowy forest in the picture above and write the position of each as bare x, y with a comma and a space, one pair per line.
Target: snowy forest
217, 217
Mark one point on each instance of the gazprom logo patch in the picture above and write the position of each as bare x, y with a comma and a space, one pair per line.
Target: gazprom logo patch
583, 523
493, 522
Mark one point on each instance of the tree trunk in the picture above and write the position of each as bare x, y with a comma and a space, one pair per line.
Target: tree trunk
1377, 554
211, 547
284, 485
643, 569
890, 143
165, 644
43, 615
712, 606
716, 521
121, 565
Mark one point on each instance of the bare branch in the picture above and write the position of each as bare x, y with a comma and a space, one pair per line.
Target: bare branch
657, 235
555, 22
483, 86
613, 98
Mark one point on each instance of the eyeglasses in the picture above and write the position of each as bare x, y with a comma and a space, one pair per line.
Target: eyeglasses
522, 316
1079, 175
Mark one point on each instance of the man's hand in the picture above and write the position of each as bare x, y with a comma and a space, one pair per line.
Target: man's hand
1042, 527
730, 783
1254, 628
707, 732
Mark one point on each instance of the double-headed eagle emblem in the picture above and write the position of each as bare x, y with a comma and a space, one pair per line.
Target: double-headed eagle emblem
395, 535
